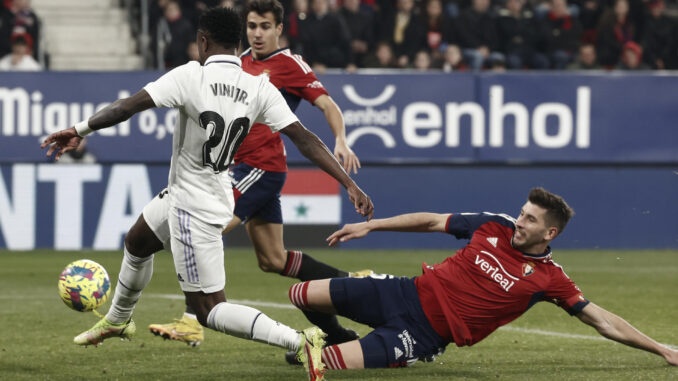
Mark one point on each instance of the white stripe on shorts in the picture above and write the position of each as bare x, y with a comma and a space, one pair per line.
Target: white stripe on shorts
243, 185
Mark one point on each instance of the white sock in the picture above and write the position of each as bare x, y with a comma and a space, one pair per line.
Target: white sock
135, 273
190, 316
249, 323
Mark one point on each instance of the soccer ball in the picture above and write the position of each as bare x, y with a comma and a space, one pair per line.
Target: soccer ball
84, 285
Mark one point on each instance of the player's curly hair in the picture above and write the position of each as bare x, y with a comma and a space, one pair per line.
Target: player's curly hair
558, 212
263, 6
223, 26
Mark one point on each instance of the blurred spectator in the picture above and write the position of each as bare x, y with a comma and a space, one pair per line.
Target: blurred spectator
325, 38
422, 61
20, 59
294, 17
174, 34
659, 40
632, 58
615, 30
453, 60
6, 26
561, 32
589, 15
439, 29
192, 51
18, 18
382, 57
192, 9
586, 60
360, 28
405, 30
477, 33
517, 31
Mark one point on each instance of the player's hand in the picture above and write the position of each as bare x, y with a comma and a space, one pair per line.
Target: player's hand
361, 201
62, 142
348, 232
346, 157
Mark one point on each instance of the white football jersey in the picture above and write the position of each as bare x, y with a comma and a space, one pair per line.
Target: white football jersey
218, 103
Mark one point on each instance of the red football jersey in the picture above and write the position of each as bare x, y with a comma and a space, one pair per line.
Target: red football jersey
488, 283
295, 80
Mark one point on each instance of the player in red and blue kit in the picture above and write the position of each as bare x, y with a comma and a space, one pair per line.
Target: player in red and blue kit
505, 269
260, 171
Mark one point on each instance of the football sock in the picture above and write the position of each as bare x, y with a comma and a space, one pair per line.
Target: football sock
135, 273
297, 295
327, 322
332, 357
304, 267
249, 323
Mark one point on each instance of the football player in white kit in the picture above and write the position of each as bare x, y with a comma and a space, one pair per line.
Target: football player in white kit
218, 103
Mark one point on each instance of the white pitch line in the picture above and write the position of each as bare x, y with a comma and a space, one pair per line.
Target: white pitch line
256, 303
259, 303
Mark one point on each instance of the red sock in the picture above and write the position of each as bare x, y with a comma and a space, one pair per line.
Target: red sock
293, 264
298, 295
332, 357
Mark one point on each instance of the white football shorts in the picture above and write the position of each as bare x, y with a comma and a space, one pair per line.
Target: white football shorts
196, 246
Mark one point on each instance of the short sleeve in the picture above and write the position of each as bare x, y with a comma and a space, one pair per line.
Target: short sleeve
564, 293
171, 89
462, 225
299, 79
273, 110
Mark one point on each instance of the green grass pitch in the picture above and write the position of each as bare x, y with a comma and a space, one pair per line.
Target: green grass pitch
37, 329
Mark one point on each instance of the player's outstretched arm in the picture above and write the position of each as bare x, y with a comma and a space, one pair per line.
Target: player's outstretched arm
615, 328
118, 111
315, 150
412, 222
335, 119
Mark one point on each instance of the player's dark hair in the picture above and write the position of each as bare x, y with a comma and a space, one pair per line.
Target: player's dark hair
558, 212
260, 7
223, 26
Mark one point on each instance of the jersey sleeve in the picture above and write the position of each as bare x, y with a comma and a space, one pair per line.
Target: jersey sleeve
564, 293
462, 225
171, 89
302, 81
273, 110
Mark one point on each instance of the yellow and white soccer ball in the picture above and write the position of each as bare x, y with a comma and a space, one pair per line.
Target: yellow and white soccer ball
84, 285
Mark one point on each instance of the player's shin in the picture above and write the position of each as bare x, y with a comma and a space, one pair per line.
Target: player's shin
135, 273
249, 323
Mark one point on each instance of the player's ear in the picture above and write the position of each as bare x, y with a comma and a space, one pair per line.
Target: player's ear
278, 29
551, 233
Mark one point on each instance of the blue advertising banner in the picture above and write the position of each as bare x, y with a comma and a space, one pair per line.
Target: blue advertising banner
390, 118
69, 207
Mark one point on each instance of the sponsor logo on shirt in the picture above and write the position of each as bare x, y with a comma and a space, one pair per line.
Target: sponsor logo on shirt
495, 271
398, 352
492, 241
315, 85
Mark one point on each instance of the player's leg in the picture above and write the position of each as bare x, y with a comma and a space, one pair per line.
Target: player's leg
141, 242
198, 255
391, 305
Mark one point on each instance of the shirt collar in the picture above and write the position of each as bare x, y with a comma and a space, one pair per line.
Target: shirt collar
545, 256
223, 58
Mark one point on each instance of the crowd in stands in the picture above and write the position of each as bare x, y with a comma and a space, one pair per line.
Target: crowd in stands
454, 35
19, 36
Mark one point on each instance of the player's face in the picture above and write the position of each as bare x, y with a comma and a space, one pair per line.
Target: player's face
532, 233
262, 33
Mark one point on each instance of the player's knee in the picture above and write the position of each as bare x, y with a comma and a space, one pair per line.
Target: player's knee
270, 263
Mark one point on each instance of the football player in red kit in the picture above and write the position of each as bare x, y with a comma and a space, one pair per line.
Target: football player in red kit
504, 270
261, 168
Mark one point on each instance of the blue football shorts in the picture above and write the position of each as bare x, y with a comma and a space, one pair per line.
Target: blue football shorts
257, 193
402, 333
